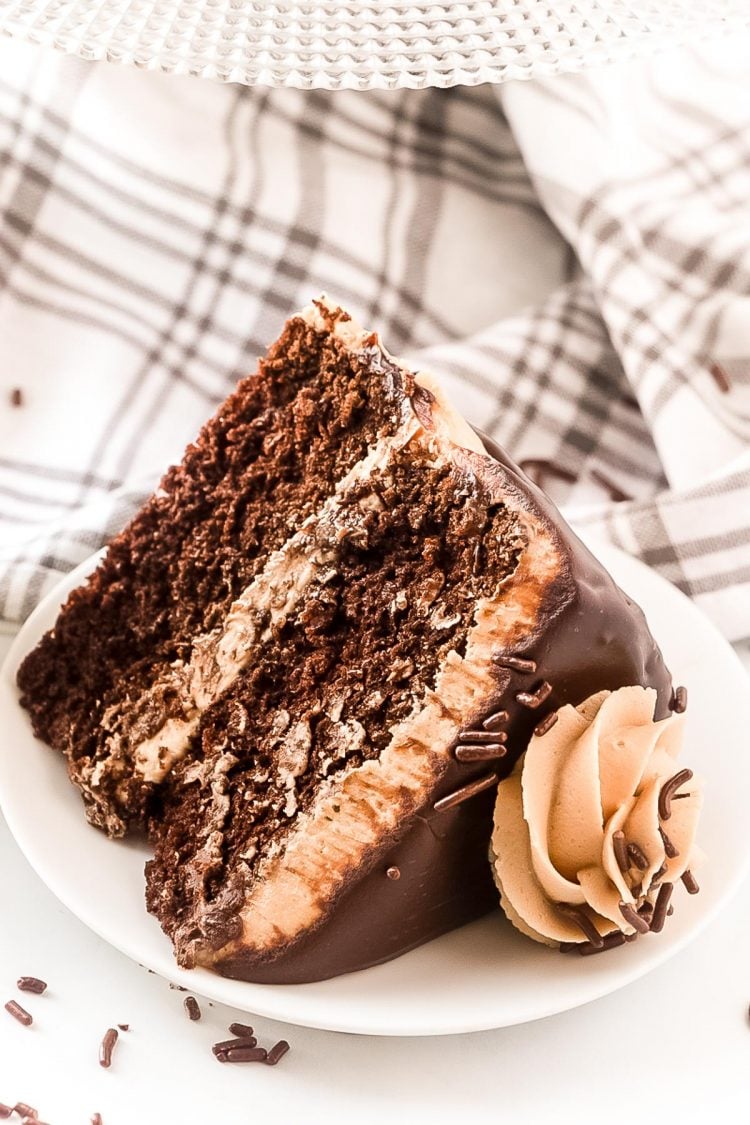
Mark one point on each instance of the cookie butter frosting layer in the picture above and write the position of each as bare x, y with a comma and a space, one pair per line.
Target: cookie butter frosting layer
581, 821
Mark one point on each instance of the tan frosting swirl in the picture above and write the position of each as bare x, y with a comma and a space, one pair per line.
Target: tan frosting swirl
598, 771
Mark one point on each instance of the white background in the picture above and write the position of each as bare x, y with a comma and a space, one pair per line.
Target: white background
675, 1046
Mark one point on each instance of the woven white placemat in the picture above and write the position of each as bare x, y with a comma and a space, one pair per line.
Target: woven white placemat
364, 44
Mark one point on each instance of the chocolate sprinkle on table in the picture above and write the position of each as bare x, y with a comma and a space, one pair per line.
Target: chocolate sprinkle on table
19, 1013
31, 984
393, 873
495, 720
546, 724
25, 1110
277, 1052
234, 1044
582, 920
667, 791
241, 1029
670, 850
124, 1026
16, 397
244, 1054
107, 1046
515, 663
485, 752
96, 1119
690, 882
466, 792
634, 918
660, 909
534, 699
720, 377
636, 857
620, 849
192, 1008
5, 1111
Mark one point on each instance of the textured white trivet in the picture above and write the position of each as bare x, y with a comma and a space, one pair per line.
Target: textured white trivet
363, 44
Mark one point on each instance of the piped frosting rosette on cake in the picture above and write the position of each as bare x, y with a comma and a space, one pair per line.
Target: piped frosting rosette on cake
596, 824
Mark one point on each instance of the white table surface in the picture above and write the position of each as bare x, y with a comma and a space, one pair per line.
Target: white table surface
675, 1046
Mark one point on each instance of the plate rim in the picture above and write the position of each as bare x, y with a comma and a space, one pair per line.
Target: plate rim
220, 989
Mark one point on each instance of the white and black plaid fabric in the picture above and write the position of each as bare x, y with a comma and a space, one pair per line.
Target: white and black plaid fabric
573, 256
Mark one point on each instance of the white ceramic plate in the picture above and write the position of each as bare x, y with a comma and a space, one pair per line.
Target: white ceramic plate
482, 976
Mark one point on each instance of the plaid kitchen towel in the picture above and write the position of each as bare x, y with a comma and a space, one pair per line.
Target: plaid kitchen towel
572, 256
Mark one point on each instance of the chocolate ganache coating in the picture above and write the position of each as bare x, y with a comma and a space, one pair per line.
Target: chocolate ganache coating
598, 639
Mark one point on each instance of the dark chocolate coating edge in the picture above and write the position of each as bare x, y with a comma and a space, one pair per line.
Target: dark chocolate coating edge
600, 640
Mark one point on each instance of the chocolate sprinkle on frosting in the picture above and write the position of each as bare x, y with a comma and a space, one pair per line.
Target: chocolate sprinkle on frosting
534, 699
579, 916
679, 701
14, 1009
466, 792
637, 857
658, 875
472, 736
634, 918
660, 908
516, 663
31, 984
620, 849
670, 850
546, 724
611, 941
690, 882
668, 790
492, 722
487, 752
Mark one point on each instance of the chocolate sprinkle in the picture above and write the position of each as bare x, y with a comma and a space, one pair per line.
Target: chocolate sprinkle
637, 857
482, 736
124, 1026
19, 1013
660, 909
234, 1044
667, 791
192, 1008
658, 874
534, 699
636, 890
633, 918
515, 663
241, 1029
679, 701
31, 984
620, 850
670, 850
690, 882
487, 752
16, 397
106, 1047
466, 792
611, 941
244, 1054
5, 1111
720, 377
546, 724
393, 873
25, 1110
96, 1119
277, 1052
580, 917
495, 720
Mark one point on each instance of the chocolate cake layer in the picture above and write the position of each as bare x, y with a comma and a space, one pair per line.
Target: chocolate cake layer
377, 615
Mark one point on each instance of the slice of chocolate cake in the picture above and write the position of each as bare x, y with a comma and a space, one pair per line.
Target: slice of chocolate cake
304, 665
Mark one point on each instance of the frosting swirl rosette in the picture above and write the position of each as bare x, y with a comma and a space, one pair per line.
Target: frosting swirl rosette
596, 824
